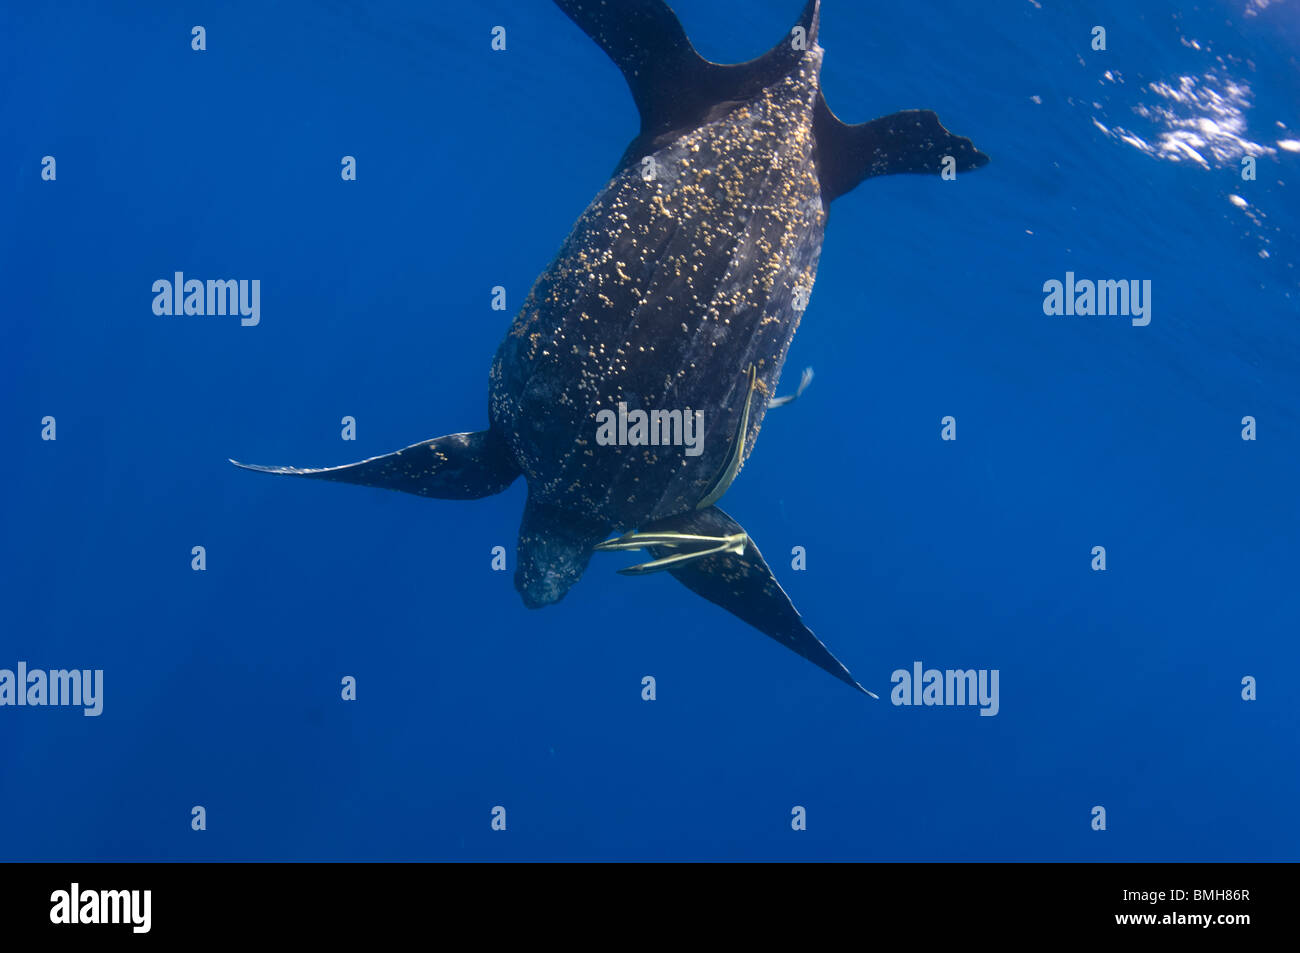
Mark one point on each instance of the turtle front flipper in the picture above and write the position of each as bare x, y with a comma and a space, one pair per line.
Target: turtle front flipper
712, 555
459, 466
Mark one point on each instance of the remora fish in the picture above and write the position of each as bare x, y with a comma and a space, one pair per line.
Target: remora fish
680, 287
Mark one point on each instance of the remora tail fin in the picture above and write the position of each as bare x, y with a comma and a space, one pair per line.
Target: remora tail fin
673, 86
459, 466
910, 141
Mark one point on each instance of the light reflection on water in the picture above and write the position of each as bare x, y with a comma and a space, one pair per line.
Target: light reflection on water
1200, 119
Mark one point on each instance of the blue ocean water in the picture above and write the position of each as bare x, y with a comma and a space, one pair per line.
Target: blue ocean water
1119, 688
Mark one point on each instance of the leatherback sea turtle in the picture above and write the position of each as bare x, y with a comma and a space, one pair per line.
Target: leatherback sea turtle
671, 303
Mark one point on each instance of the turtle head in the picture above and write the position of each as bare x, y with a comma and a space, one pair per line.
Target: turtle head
555, 546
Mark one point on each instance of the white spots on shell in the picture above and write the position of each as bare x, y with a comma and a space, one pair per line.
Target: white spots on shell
659, 290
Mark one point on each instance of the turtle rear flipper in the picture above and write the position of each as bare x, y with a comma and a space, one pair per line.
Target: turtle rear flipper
909, 141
